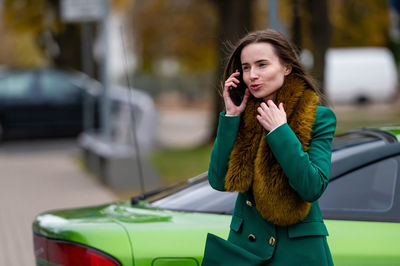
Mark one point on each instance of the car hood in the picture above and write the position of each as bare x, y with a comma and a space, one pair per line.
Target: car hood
148, 235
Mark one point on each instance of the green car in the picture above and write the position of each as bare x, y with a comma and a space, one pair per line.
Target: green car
361, 207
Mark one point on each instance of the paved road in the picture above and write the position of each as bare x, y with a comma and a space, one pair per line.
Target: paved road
37, 176
183, 128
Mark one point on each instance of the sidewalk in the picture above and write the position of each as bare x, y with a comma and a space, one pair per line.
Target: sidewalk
42, 175
36, 177
183, 127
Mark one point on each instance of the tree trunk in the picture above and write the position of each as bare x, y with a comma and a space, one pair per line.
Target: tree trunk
320, 29
235, 20
70, 49
296, 35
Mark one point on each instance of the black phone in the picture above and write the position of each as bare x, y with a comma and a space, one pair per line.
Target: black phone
237, 93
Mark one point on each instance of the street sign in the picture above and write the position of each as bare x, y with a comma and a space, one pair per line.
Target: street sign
83, 10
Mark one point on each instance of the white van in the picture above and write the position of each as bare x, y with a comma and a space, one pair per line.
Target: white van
354, 75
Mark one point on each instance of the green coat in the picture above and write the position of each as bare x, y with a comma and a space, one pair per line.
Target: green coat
252, 239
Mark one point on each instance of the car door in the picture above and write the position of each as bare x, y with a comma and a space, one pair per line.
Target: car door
63, 98
362, 209
19, 103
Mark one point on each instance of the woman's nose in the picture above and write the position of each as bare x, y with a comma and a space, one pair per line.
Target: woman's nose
253, 73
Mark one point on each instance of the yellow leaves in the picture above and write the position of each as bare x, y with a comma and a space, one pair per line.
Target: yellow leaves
360, 22
22, 20
20, 50
354, 22
183, 30
29, 15
121, 4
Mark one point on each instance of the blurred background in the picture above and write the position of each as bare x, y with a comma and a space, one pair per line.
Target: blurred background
101, 100
131, 88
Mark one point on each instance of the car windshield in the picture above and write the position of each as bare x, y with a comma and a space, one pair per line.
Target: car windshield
16, 85
57, 85
351, 143
351, 139
198, 197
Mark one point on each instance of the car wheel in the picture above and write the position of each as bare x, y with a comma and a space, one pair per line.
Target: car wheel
362, 99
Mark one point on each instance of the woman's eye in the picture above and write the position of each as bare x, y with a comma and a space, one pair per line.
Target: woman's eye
245, 68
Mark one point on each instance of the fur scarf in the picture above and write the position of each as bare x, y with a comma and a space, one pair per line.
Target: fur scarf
252, 165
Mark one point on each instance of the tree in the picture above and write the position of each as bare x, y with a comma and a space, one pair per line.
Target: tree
296, 25
57, 42
318, 25
21, 22
359, 23
235, 19
181, 30
320, 31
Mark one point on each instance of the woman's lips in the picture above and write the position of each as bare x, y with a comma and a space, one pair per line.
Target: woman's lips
255, 87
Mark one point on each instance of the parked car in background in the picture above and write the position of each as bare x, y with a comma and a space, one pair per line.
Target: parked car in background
169, 227
50, 102
357, 75
42, 102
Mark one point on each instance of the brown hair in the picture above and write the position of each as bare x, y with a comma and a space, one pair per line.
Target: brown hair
283, 49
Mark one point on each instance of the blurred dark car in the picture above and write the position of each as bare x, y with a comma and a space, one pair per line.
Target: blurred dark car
42, 102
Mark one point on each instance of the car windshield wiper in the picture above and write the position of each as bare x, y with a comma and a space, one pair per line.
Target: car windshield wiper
183, 184
146, 195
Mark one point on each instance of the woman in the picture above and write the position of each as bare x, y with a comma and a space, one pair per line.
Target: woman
275, 150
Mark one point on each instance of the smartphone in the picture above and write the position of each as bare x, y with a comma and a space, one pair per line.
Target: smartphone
237, 93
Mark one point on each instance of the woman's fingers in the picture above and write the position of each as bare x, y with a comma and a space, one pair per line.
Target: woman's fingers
230, 107
245, 98
261, 111
271, 116
232, 80
271, 104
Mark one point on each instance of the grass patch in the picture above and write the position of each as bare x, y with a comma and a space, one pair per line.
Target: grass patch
367, 116
180, 164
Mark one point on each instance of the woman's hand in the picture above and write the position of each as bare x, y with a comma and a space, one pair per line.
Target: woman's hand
270, 116
230, 107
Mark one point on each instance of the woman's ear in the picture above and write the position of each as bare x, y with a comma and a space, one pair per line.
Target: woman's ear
288, 69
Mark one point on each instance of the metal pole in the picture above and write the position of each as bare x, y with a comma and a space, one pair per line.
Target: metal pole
87, 41
105, 74
87, 66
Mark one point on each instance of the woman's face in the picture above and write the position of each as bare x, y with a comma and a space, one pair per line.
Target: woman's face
262, 70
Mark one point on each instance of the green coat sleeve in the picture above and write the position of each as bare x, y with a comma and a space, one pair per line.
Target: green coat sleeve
226, 134
308, 172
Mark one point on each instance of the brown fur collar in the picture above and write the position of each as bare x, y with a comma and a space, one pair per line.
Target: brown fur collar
252, 165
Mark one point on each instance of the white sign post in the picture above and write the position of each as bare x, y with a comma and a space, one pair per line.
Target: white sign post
78, 11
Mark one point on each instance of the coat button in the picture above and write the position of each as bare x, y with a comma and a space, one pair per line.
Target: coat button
248, 202
272, 241
252, 237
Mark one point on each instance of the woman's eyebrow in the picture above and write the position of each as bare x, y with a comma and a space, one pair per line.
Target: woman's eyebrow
261, 61
256, 62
